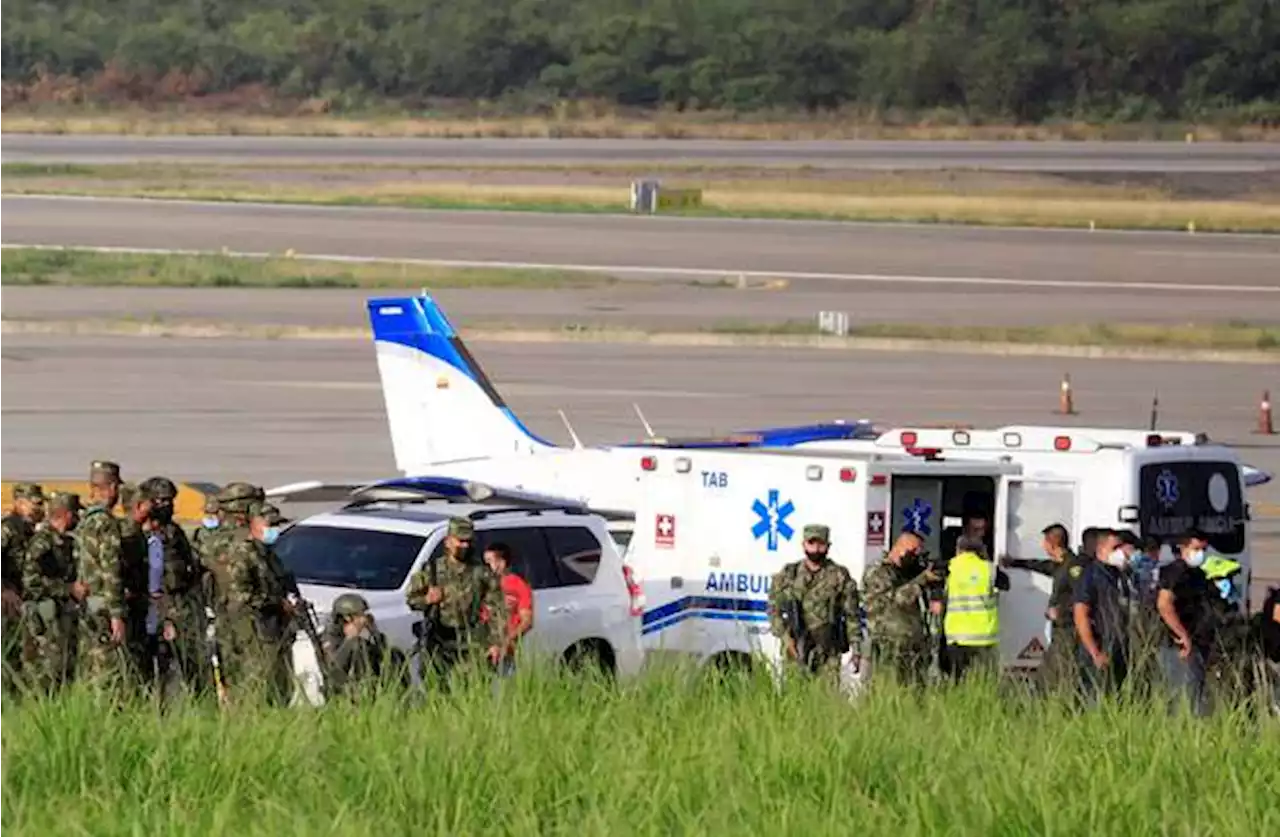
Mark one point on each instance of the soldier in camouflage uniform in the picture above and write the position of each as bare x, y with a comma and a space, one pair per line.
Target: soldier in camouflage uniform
18, 527
253, 613
133, 577
209, 527
461, 590
894, 592
827, 597
99, 588
358, 653
173, 622
47, 571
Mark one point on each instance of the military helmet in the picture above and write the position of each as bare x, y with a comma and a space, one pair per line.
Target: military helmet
268, 512
350, 604
64, 501
236, 497
159, 488
129, 493
29, 491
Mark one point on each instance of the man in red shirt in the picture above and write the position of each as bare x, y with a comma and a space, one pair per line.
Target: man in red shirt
519, 596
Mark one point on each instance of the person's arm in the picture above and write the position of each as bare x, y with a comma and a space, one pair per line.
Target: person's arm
1038, 566
1081, 610
524, 615
1166, 605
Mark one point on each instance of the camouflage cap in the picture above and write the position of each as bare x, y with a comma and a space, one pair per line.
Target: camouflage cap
28, 491
818, 532
239, 491
461, 527
159, 488
104, 469
63, 501
268, 512
129, 494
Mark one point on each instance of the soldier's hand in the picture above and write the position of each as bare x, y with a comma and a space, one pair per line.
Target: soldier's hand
1100, 659
117, 630
935, 607
931, 575
495, 654
79, 590
792, 651
169, 633
12, 602
434, 595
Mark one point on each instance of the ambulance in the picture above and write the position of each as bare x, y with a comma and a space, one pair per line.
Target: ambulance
1158, 484
712, 527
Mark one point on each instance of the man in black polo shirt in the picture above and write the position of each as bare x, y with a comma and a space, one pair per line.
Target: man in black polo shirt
1101, 614
1182, 598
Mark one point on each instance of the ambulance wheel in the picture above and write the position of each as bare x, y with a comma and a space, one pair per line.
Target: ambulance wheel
730, 666
592, 655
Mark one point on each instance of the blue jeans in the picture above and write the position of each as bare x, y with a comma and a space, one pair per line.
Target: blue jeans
1184, 679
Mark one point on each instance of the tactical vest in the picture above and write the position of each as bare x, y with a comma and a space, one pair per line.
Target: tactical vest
973, 617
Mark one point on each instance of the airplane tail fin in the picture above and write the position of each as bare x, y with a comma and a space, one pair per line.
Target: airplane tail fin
441, 407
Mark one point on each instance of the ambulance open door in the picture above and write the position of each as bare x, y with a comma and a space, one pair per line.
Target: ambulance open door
1029, 505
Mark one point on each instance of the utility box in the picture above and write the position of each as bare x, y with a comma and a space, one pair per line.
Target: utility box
644, 196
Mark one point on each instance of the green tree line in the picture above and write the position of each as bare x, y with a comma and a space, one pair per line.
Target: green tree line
1025, 60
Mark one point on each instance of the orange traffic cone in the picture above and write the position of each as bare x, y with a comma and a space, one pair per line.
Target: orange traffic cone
1264, 415
1066, 406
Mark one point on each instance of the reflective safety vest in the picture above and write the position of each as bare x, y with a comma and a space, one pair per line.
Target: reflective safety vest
973, 617
1220, 572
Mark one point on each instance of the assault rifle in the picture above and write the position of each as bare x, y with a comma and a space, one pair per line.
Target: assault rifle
427, 631
306, 613
793, 618
211, 650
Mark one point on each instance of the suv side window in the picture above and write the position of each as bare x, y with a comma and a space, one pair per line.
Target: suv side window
530, 558
578, 553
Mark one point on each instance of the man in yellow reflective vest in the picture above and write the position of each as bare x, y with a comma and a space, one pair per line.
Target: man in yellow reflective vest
972, 621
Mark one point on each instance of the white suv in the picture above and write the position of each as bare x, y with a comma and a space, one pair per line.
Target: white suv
587, 607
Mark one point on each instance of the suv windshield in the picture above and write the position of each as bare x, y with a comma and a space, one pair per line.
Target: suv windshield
1175, 497
348, 557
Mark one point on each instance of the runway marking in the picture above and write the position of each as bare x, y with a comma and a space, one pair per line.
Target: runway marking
721, 273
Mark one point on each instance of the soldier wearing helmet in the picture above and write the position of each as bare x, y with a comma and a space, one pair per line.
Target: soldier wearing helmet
357, 651
171, 621
48, 571
19, 525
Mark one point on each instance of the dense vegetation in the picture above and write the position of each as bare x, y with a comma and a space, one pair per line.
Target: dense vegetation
1024, 60
557, 755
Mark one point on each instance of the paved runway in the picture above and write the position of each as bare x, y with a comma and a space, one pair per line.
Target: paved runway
1005, 156
915, 257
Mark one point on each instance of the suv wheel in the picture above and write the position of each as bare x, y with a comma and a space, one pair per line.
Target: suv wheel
593, 655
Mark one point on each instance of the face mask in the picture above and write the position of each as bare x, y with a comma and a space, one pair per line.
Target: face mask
1196, 558
270, 535
1118, 558
210, 522
162, 514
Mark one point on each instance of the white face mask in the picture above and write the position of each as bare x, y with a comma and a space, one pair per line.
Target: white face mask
1196, 557
1118, 558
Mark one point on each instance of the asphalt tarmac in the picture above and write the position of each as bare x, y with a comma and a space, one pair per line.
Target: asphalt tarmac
851, 154
1168, 268
279, 411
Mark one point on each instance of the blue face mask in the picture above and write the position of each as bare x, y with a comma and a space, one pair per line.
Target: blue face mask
210, 522
270, 535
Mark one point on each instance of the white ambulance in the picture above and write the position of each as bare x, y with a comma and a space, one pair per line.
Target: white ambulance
1158, 484
713, 527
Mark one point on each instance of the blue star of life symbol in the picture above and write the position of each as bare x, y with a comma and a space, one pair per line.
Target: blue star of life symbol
1167, 488
916, 517
772, 520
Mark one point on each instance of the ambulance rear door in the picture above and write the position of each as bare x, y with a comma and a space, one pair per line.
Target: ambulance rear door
1030, 503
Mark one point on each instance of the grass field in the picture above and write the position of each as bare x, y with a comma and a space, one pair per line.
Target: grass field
664, 755
592, 122
950, 197
85, 268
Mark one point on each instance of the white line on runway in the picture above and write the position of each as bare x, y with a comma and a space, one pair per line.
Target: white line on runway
722, 273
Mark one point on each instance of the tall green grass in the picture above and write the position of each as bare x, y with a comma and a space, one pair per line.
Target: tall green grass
665, 754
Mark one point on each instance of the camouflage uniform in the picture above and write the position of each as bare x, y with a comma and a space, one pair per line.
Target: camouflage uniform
825, 596
99, 565
133, 578
177, 601
47, 570
467, 588
355, 662
249, 600
208, 529
896, 618
18, 531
